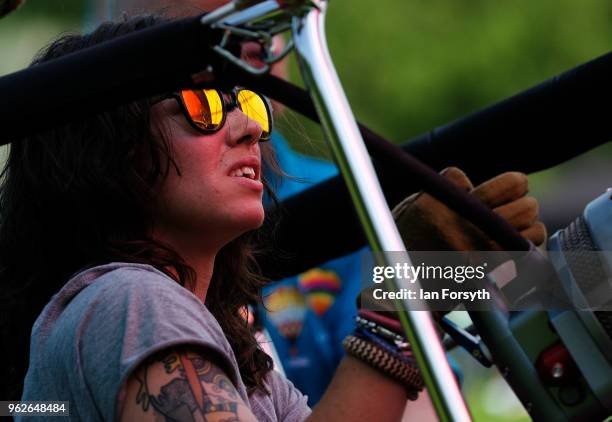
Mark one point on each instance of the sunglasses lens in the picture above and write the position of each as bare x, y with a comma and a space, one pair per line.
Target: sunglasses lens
205, 108
254, 106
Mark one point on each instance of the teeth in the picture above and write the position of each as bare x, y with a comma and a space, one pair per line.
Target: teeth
249, 172
245, 171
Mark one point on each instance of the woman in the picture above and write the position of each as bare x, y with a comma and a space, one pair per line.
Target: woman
141, 218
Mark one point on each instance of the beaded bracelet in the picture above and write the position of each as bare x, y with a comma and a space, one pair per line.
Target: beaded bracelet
381, 320
380, 331
404, 373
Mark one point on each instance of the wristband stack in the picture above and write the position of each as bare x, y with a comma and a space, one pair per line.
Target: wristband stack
378, 342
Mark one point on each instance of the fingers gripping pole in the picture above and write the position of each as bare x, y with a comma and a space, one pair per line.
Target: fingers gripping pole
352, 158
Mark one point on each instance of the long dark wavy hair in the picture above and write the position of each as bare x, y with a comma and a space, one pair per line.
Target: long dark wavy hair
78, 196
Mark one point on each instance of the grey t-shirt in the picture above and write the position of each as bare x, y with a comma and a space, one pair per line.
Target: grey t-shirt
106, 320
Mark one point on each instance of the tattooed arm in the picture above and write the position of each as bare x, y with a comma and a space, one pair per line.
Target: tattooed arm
184, 385
181, 384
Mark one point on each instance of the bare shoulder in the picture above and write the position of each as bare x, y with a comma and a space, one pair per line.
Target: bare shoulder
181, 384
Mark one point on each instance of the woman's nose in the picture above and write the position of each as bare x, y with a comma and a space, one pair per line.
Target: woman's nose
242, 128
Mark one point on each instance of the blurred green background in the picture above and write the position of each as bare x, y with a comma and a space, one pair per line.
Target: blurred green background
409, 66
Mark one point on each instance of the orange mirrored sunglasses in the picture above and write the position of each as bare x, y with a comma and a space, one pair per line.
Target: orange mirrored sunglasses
207, 109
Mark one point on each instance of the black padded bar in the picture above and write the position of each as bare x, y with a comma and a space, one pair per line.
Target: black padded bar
536, 129
144, 63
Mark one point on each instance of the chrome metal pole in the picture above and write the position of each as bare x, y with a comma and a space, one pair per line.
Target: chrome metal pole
228, 9
356, 167
252, 13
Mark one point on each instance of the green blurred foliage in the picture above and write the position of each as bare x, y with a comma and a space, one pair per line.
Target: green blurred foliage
63, 10
408, 66
32, 26
432, 61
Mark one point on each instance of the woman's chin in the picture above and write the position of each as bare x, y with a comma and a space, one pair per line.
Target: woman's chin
250, 218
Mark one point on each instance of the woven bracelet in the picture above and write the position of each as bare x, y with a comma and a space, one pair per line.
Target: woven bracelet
404, 373
403, 356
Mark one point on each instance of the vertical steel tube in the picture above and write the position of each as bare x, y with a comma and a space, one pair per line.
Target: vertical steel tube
353, 160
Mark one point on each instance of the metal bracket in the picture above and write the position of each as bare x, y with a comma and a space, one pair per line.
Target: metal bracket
259, 23
472, 344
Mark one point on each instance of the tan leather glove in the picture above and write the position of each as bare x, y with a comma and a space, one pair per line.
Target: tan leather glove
426, 224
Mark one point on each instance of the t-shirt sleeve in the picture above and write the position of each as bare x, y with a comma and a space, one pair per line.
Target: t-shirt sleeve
126, 316
290, 405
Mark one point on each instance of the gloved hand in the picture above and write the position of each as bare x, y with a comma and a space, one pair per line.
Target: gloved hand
426, 224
